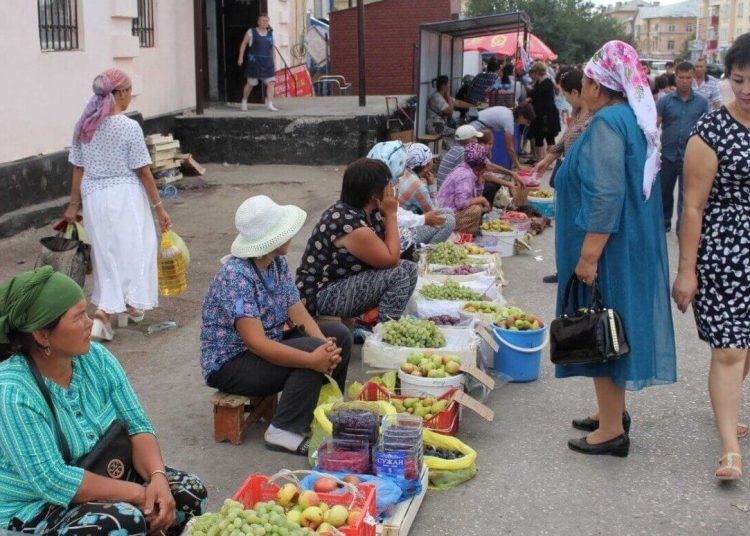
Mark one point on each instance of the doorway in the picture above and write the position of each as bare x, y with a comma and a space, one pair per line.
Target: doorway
233, 19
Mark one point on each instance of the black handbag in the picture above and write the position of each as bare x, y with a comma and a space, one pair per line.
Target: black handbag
591, 335
112, 456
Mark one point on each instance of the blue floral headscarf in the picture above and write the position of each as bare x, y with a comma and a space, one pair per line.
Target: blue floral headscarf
393, 153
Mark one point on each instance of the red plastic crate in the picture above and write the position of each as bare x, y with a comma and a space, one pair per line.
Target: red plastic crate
446, 422
463, 238
258, 487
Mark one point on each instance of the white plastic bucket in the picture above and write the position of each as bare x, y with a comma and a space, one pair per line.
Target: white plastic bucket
504, 243
418, 385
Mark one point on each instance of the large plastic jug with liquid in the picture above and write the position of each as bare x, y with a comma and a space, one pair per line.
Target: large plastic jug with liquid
172, 272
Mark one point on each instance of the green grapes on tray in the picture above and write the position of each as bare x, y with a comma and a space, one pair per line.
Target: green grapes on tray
413, 333
450, 290
264, 519
449, 254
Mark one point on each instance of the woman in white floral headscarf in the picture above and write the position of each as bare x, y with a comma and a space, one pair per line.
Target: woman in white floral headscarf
609, 230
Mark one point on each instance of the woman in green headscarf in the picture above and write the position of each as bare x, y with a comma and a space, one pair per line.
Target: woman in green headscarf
44, 324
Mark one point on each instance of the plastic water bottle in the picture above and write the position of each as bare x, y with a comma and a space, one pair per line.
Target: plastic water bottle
172, 272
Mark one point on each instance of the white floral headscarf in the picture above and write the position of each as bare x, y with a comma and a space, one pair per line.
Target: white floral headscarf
393, 154
616, 66
417, 154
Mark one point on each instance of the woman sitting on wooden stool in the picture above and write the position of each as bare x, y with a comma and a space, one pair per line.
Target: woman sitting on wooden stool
246, 348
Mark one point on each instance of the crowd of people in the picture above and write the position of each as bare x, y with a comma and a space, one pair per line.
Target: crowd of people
266, 327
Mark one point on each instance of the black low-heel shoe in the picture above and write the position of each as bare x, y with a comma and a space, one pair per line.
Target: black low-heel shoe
619, 446
589, 425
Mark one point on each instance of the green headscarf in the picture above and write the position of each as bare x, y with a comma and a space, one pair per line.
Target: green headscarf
34, 299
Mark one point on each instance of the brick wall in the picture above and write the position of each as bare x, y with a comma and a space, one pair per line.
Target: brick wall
391, 35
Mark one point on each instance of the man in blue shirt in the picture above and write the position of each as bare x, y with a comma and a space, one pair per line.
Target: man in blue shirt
677, 114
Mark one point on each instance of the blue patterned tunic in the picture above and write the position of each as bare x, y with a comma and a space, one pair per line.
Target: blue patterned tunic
238, 292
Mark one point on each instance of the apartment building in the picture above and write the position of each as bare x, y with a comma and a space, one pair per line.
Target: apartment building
664, 32
625, 13
719, 24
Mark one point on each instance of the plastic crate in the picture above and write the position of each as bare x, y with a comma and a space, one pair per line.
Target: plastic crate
446, 422
259, 487
545, 206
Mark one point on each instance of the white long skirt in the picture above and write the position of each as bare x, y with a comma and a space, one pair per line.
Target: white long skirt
124, 244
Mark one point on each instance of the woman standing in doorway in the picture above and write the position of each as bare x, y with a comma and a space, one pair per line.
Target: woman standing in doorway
112, 177
259, 64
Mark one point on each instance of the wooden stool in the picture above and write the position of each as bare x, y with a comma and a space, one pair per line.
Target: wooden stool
431, 139
230, 421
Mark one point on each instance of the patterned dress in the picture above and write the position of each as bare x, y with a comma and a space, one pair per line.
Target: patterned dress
722, 304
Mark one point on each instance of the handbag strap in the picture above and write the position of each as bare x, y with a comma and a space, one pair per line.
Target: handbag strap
573, 286
63, 444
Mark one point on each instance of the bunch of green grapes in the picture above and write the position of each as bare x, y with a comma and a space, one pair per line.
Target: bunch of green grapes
413, 333
450, 290
265, 519
448, 253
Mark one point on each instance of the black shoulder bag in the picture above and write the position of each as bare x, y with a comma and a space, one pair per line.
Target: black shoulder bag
590, 335
111, 457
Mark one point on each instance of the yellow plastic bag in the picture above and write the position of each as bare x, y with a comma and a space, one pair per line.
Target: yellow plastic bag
322, 428
181, 245
446, 474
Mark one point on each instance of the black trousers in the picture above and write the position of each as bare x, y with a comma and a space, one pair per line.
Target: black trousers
490, 190
671, 174
251, 375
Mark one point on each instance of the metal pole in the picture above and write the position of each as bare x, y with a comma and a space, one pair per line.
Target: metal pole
198, 38
361, 51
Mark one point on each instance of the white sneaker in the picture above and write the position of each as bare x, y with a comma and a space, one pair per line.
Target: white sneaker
271, 108
243, 106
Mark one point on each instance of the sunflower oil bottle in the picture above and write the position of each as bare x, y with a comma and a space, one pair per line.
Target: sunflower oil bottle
172, 272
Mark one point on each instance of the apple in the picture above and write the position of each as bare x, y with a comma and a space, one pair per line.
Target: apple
337, 516
294, 515
287, 494
352, 479
325, 529
355, 516
325, 485
308, 499
312, 517
323, 506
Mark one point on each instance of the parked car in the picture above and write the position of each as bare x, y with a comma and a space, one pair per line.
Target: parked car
716, 70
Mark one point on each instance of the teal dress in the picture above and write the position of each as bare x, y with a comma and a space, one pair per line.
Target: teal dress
599, 190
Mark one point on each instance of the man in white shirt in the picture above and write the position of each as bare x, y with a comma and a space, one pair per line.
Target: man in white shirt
706, 85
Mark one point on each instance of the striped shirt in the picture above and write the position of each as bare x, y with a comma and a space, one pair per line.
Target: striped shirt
415, 195
32, 471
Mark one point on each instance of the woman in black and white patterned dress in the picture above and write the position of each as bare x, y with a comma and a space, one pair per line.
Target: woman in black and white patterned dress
352, 260
714, 271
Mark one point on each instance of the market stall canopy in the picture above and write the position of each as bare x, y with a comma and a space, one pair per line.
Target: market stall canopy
441, 50
506, 44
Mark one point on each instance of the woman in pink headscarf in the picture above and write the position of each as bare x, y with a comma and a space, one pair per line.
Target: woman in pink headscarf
113, 182
610, 231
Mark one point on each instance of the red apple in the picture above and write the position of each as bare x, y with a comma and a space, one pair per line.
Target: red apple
352, 479
325, 485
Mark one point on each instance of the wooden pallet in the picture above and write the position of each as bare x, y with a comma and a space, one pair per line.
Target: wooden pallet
400, 522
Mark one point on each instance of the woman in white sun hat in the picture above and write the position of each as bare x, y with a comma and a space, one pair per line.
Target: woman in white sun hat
257, 338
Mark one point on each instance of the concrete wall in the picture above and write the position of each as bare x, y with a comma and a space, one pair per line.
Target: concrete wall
391, 33
45, 92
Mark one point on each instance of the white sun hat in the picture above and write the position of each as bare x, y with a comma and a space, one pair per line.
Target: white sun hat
465, 132
264, 226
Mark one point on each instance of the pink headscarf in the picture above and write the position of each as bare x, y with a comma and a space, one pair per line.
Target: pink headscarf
616, 66
101, 104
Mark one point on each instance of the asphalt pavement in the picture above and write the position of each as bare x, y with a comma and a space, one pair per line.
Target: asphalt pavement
528, 482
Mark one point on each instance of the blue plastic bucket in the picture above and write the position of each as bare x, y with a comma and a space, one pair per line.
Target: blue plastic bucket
546, 207
520, 353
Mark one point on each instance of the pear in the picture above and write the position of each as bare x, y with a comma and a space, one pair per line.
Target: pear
420, 411
410, 402
453, 368
439, 406
435, 373
414, 359
437, 360
427, 402
408, 368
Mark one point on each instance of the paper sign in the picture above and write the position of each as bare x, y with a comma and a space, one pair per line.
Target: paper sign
477, 407
481, 376
293, 82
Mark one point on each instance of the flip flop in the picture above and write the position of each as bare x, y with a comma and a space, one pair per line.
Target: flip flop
302, 449
727, 463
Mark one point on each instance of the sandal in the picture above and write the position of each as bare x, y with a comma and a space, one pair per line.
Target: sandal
136, 315
742, 430
727, 463
102, 330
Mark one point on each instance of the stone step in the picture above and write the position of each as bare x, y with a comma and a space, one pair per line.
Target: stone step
32, 216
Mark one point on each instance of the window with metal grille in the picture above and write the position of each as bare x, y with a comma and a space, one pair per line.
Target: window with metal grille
58, 24
143, 26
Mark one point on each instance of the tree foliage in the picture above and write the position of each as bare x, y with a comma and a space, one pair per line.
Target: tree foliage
574, 29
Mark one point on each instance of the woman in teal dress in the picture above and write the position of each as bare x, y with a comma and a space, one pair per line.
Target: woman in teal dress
609, 228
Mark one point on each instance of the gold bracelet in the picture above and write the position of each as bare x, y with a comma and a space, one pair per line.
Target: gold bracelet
158, 472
